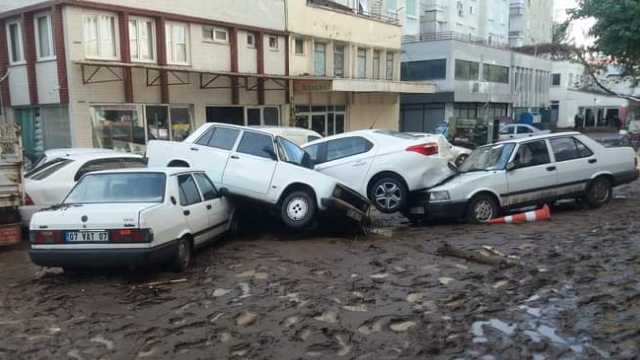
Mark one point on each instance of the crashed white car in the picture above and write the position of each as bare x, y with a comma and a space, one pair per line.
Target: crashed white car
456, 154
386, 166
529, 171
257, 165
131, 218
518, 131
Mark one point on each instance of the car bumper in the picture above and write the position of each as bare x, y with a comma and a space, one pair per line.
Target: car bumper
103, 258
625, 177
343, 207
421, 208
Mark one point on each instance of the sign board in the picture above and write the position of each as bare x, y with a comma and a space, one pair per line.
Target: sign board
312, 85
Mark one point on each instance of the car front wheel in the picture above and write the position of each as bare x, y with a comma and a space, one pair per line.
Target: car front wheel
182, 256
482, 208
389, 194
298, 209
600, 192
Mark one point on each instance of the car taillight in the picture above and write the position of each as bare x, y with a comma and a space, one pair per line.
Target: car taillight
28, 200
46, 237
425, 149
131, 236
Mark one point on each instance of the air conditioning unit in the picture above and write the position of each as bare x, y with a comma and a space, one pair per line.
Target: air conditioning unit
479, 87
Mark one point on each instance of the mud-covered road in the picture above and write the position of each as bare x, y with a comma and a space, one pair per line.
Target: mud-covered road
574, 293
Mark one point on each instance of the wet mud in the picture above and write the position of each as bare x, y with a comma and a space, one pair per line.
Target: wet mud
573, 293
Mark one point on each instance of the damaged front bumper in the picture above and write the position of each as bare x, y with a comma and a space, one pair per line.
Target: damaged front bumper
347, 202
420, 208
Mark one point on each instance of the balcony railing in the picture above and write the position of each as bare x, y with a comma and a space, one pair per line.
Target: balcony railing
452, 35
333, 6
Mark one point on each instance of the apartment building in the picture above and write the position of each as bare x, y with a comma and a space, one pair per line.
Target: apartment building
117, 73
530, 22
475, 81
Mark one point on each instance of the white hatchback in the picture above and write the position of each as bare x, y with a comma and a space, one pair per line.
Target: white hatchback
131, 217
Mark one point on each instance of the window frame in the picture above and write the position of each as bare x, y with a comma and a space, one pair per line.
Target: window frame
316, 57
368, 147
171, 44
339, 71
251, 44
412, 8
520, 145
116, 35
390, 65
180, 191
214, 37
254, 133
273, 46
376, 74
19, 42
36, 29
205, 178
577, 149
295, 46
461, 64
151, 37
553, 78
433, 69
362, 70
212, 132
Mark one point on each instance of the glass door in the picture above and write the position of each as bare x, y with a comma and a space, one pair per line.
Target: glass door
319, 123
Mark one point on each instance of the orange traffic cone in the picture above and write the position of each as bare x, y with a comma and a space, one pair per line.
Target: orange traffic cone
529, 216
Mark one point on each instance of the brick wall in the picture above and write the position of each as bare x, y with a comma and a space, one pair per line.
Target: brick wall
4, 65
161, 46
61, 56
125, 55
29, 42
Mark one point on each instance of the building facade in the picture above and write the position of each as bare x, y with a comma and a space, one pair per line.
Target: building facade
105, 74
530, 22
474, 82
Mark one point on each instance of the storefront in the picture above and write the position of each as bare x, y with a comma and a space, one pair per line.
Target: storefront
244, 115
43, 128
325, 120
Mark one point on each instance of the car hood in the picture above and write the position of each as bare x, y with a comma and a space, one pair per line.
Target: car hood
459, 179
90, 216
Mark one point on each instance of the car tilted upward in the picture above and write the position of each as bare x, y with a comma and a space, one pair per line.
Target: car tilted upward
131, 218
262, 167
382, 165
529, 171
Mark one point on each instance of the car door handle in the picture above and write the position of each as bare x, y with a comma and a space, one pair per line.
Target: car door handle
194, 149
209, 207
235, 157
593, 161
551, 168
359, 163
186, 212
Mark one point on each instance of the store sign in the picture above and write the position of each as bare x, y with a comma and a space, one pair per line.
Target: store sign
312, 85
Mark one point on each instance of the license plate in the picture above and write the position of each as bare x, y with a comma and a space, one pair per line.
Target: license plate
354, 215
87, 236
417, 210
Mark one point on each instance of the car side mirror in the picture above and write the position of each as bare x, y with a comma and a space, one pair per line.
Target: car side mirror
173, 200
223, 192
452, 167
511, 166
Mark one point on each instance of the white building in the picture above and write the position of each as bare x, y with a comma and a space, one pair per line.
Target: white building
530, 22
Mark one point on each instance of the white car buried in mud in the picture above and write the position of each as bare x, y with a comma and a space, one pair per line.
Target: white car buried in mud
131, 218
262, 167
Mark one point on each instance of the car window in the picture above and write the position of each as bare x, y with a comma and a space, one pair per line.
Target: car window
189, 194
349, 146
48, 169
97, 165
506, 130
204, 139
207, 188
313, 152
524, 130
583, 150
223, 138
565, 149
532, 154
311, 138
118, 188
256, 144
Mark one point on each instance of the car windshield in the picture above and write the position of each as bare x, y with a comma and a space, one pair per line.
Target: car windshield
293, 154
487, 158
133, 187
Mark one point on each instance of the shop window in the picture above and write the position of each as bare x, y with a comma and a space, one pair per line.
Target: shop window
325, 120
467, 70
424, 70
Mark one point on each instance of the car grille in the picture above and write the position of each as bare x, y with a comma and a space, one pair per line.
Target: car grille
353, 198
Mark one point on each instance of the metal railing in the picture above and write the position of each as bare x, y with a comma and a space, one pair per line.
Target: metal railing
333, 6
452, 35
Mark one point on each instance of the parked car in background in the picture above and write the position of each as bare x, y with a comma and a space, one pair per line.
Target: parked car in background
297, 135
383, 165
517, 131
52, 154
49, 183
456, 154
260, 166
131, 217
529, 171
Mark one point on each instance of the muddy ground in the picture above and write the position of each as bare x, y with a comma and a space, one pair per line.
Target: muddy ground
573, 294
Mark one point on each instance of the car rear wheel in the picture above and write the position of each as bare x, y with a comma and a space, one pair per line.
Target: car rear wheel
298, 209
182, 256
389, 194
600, 192
482, 208
460, 159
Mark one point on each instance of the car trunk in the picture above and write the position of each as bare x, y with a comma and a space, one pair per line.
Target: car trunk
92, 216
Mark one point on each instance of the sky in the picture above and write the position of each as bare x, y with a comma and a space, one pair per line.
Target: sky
579, 29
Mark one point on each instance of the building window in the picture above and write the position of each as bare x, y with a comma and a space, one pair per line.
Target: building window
44, 37
325, 120
269, 116
467, 70
251, 40
390, 65
376, 64
319, 59
471, 10
495, 73
392, 6
424, 70
100, 36
273, 43
177, 45
411, 8
338, 60
299, 46
14, 34
465, 110
215, 34
362, 63
142, 39
555, 79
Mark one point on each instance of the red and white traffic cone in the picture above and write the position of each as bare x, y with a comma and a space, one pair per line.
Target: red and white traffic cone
529, 216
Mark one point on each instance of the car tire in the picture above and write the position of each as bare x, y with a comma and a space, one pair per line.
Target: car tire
182, 255
234, 224
460, 159
389, 194
482, 208
298, 209
600, 192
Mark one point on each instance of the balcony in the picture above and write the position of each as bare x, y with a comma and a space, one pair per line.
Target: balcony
333, 6
452, 35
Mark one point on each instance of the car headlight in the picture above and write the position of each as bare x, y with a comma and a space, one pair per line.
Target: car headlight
439, 196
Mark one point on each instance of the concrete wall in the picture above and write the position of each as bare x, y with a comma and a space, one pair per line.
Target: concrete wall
383, 109
19, 85
47, 75
247, 55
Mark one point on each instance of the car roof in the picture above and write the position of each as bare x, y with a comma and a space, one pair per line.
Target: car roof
100, 155
232, 126
538, 137
72, 151
371, 133
284, 128
164, 170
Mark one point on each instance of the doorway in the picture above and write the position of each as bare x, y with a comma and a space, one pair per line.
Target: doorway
226, 114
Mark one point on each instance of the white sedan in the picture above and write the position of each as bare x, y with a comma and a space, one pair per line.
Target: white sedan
49, 183
131, 217
456, 154
529, 171
383, 165
518, 131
